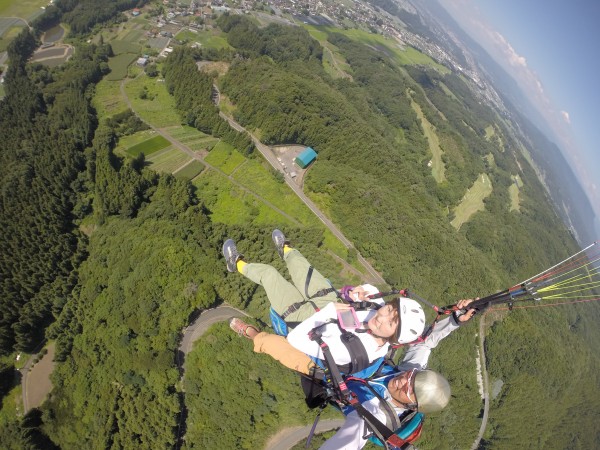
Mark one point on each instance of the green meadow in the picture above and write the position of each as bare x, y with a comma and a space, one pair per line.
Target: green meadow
119, 65
168, 160
149, 146
158, 108
225, 157
232, 204
108, 99
190, 171
472, 201
513, 192
27, 9
402, 55
438, 168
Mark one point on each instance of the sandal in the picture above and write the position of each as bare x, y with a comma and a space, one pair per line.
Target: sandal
241, 327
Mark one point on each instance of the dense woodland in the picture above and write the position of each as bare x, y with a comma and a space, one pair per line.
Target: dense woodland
116, 298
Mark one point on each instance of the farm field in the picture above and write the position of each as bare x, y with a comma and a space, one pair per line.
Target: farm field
190, 171
168, 160
126, 142
192, 138
472, 201
149, 146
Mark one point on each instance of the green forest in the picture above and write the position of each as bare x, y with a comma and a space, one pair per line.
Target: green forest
111, 260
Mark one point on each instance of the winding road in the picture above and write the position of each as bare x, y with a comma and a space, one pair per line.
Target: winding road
284, 439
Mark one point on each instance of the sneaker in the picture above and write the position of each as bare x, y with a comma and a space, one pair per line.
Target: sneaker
279, 240
241, 327
231, 255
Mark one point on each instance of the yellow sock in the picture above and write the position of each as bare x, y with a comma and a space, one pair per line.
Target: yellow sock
286, 248
240, 265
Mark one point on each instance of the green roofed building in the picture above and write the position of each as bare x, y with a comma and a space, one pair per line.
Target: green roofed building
307, 156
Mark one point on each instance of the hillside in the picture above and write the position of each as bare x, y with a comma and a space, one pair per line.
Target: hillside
117, 195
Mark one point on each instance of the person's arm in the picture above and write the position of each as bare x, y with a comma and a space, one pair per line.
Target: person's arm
350, 434
298, 337
417, 355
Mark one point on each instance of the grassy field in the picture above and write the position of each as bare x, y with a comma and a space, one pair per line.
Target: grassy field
209, 39
9, 29
448, 92
127, 142
232, 205
149, 146
192, 138
334, 63
257, 178
490, 160
27, 9
168, 160
472, 201
225, 157
123, 46
108, 99
403, 56
158, 108
438, 168
119, 65
190, 171
513, 191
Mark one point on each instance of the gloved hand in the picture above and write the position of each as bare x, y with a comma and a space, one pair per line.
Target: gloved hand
345, 292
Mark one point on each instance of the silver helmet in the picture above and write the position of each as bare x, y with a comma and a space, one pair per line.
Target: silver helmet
432, 391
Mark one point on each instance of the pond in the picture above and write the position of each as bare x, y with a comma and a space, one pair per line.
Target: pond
54, 34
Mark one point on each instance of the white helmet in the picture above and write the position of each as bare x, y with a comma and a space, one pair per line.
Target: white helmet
432, 391
412, 320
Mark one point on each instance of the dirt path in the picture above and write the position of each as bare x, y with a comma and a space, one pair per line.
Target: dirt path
36, 384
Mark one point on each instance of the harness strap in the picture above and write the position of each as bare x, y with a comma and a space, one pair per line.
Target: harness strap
296, 306
320, 293
345, 396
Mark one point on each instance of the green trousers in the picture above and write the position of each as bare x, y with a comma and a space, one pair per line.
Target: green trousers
282, 294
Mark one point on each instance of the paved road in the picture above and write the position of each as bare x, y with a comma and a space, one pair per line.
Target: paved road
270, 157
286, 438
486, 390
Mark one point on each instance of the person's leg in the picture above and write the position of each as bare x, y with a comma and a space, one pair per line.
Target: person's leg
275, 346
298, 267
280, 292
281, 350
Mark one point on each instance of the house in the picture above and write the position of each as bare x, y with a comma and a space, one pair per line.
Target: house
142, 62
307, 156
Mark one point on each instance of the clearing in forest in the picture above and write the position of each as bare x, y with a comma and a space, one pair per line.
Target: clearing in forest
513, 191
438, 168
472, 200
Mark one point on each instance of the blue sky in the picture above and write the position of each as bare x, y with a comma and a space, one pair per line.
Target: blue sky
552, 49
